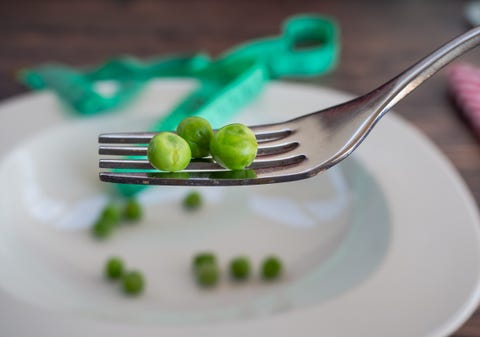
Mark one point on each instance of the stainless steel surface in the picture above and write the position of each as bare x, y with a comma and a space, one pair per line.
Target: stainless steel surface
295, 149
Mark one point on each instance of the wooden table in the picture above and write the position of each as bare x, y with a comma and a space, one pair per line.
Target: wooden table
379, 38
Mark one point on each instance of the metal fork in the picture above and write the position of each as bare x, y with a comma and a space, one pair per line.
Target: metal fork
296, 149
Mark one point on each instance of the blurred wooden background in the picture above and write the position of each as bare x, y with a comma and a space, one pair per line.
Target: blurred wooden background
379, 39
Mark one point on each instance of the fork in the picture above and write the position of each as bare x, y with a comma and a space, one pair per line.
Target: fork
296, 149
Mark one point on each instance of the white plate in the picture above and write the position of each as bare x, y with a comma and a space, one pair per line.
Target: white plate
386, 244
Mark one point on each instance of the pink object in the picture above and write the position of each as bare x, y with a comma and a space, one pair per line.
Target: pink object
465, 87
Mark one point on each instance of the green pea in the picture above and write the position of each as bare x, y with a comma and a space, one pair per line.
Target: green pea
168, 152
107, 221
271, 268
192, 200
133, 283
240, 268
132, 210
198, 133
114, 268
102, 229
234, 146
203, 258
207, 274
111, 213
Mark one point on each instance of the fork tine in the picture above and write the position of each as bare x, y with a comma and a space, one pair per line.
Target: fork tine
278, 148
287, 142
269, 149
261, 133
278, 161
142, 178
122, 150
125, 164
206, 178
264, 134
126, 137
139, 164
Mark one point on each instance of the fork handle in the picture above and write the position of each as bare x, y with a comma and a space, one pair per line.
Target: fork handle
403, 84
